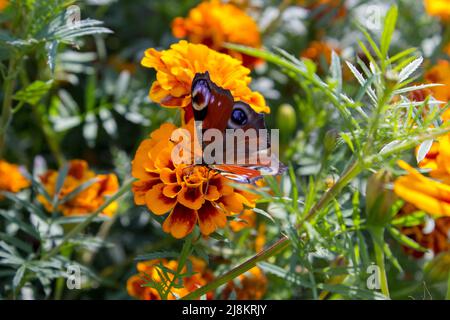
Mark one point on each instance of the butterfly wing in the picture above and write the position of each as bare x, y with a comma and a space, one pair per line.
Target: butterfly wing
251, 157
211, 104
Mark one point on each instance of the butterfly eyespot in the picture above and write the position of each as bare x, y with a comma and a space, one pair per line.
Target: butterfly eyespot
239, 117
200, 95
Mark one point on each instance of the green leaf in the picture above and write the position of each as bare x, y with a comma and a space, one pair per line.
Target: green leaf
388, 30
409, 69
264, 214
348, 141
77, 190
18, 276
404, 240
27, 205
34, 92
336, 71
16, 242
28, 228
410, 220
423, 150
62, 175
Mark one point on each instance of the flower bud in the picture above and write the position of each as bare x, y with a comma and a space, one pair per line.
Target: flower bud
286, 121
331, 137
379, 200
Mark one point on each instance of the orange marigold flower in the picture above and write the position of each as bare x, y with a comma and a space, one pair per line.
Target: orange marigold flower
11, 179
246, 220
149, 271
424, 193
438, 8
89, 199
447, 49
320, 53
436, 240
192, 194
176, 68
440, 73
251, 285
3, 4
214, 23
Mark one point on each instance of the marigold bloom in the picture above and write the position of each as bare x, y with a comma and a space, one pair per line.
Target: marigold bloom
192, 194
438, 8
149, 271
3, 4
11, 179
426, 194
440, 73
176, 68
246, 220
214, 23
318, 50
251, 285
89, 199
437, 240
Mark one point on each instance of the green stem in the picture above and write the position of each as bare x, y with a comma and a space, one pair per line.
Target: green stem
80, 227
240, 269
43, 123
352, 171
378, 240
448, 287
8, 90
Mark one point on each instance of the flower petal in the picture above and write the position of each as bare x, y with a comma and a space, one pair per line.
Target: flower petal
210, 218
157, 202
180, 222
191, 197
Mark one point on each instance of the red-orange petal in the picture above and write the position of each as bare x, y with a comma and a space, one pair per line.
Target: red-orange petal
210, 218
157, 202
180, 222
191, 197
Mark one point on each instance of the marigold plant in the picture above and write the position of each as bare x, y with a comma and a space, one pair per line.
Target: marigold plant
11, 178
88, 199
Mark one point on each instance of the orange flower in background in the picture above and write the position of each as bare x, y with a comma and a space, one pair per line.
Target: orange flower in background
3, 4
246, 220
438, 8
424, 193
150, 271
319, 51
176, 68
437, 239
214, 23
89, 199
251, 285
190, 194
11, 179
440, 73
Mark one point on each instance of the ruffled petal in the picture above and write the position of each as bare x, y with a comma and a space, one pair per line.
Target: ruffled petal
180, 222
210, 218
157, 202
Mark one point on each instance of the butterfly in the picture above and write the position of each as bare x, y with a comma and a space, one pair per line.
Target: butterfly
214, 107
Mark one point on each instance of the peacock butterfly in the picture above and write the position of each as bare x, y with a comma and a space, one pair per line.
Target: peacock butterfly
214, 107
